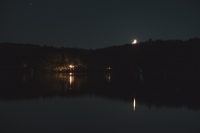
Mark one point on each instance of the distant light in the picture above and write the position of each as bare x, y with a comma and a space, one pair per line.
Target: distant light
109, 68
71, 66
135, 41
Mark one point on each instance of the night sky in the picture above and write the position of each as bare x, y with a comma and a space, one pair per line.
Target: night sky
96, 24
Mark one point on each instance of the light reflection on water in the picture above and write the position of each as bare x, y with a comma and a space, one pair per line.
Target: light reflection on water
70, 80
93, 114
108, 77
134, 104
94, 103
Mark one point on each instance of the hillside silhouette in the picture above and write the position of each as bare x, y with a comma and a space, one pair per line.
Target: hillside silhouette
151, 60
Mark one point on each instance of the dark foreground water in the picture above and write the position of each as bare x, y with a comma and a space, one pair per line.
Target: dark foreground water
71, 103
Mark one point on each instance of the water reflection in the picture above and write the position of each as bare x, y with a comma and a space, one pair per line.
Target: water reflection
90, 100
108, 77
73, 84
134, 104
70, 80
92, 115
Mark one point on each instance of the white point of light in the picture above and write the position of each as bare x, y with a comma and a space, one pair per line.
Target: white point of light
134, 41
134, 104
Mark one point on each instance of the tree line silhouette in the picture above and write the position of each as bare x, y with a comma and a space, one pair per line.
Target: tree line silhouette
154, 60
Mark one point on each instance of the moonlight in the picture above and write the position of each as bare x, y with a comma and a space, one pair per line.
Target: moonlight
134, 42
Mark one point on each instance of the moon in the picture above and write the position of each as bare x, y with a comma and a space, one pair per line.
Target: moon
134, 41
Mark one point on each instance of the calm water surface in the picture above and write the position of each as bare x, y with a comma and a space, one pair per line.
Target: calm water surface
87, 103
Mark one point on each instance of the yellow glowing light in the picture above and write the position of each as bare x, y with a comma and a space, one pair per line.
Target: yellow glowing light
134, 41
71, 66
71, 80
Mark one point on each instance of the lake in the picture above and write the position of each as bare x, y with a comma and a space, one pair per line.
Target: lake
68, 102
